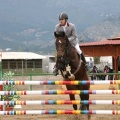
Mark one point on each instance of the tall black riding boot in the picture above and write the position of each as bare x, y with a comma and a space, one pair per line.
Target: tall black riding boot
83, 58
84, 61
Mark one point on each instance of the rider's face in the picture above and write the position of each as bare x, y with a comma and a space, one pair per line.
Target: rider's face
62, 22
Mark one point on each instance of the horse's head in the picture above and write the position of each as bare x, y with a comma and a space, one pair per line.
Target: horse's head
68, 61
61, 43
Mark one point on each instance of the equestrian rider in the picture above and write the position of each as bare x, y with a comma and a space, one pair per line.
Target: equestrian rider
70, 31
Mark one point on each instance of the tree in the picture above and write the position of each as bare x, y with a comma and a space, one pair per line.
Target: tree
96, 60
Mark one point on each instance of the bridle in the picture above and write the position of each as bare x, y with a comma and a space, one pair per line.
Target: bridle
67, 48
65, 54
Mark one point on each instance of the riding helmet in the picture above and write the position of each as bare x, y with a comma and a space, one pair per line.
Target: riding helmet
63, 16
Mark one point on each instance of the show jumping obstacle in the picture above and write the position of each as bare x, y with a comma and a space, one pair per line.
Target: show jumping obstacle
59, 102
29, 112
58, 82
59, 92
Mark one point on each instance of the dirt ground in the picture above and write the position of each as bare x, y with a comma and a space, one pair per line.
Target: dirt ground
64, 107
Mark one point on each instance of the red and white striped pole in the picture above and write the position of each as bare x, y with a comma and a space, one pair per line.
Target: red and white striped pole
1, 86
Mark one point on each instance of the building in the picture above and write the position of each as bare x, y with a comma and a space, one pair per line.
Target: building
49, 63
106, 60
105, 47
21, 61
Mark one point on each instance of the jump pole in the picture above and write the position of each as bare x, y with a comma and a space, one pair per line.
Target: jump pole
59, 82
29, 112
60, 102
59, 92
1, 86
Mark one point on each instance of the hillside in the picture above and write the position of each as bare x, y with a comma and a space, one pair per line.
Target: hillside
103, 30
28, 25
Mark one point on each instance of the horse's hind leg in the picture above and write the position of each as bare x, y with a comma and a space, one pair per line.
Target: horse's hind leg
85, 107
72, 97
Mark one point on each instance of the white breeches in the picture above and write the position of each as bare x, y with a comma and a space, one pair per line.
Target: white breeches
78, 49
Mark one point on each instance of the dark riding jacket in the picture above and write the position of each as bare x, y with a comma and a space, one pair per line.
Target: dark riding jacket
70, 31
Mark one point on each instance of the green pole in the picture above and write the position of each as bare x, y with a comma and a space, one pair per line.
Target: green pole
30, 80
118, 79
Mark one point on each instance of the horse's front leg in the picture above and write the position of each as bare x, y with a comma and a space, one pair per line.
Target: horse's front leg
83, 106
72, 96
84, 97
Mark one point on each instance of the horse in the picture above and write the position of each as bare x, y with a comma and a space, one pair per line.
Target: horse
71, 67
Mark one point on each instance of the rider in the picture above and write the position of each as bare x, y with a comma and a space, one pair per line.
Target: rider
70, 31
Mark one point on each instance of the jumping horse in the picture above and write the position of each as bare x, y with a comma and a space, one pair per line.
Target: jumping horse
71, 67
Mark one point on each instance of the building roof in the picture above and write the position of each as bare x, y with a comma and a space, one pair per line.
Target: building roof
21, 55
50, 55
114, 41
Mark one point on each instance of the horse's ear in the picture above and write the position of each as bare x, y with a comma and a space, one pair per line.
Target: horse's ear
63, 34
55, 34
59, 34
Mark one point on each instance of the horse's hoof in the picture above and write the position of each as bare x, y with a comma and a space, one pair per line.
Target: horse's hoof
89, 117
83, 107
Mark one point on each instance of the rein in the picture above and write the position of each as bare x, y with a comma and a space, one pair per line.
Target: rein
66, 56
77, 67
67, 47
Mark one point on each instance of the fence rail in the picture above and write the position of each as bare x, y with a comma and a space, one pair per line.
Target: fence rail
29, 112
60, 82
59, 102
59, 92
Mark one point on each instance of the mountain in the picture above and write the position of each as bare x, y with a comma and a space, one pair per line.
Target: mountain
28, 25
109, 28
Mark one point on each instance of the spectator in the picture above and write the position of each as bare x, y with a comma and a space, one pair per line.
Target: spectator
110, 77
94, 70
106, 70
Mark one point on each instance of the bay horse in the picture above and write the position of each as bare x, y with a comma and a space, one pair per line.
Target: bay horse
68, 58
